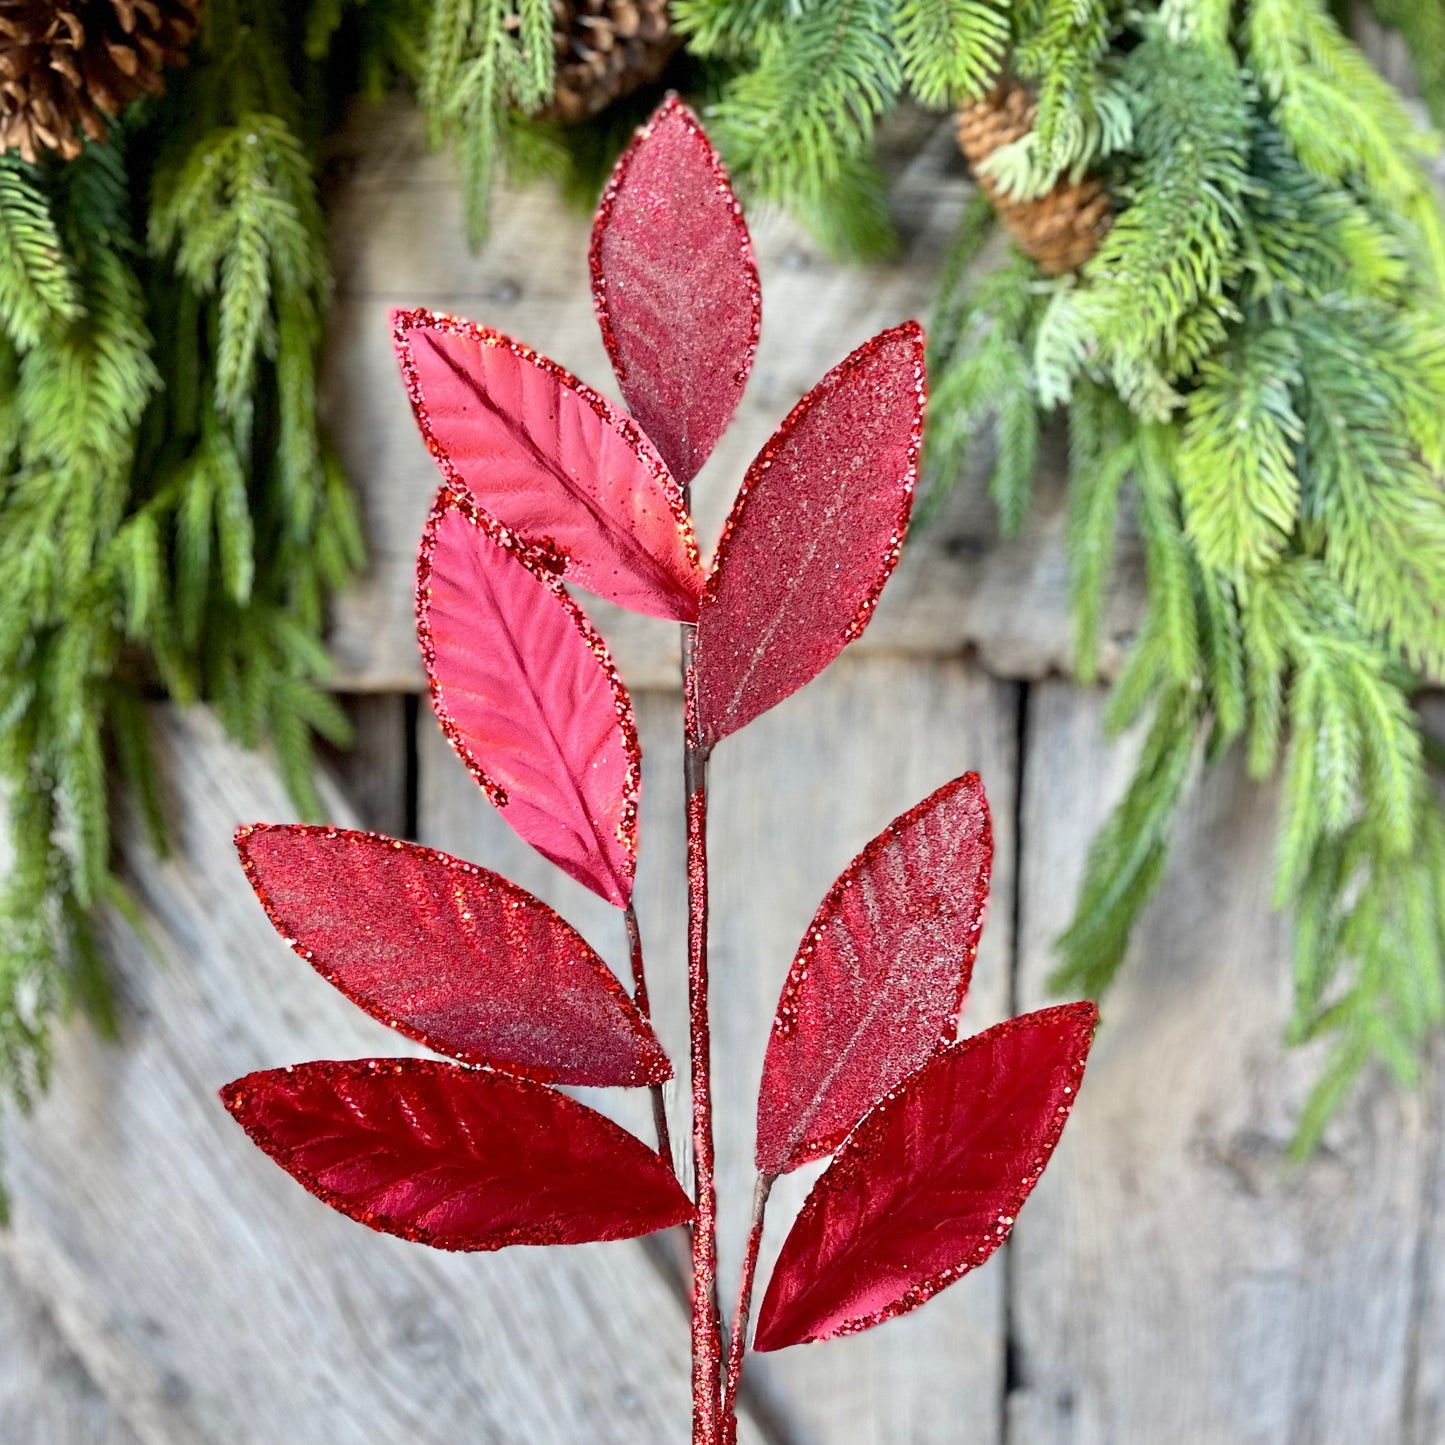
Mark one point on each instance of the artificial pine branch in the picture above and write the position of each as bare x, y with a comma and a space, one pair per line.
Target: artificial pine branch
798, 123
170, 514
1251, 367
484, 59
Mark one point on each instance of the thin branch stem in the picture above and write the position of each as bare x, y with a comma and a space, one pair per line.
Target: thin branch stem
739, 1343
639, 997
706, 1317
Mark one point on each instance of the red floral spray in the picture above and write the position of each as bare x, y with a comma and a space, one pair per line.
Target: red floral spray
936, 1142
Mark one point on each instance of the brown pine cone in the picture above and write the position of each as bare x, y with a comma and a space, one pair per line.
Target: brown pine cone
1060, 230
66, 65
606, 49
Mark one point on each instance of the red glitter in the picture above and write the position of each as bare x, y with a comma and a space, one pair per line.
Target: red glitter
938, 1143
706, 1317
676, 287
453, 1157
879, 977
815, 532
930, 1183
450, 955
738, 1344
527, 694
552, 461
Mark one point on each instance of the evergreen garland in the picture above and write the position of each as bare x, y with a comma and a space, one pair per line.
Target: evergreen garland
171, 516
1251, 367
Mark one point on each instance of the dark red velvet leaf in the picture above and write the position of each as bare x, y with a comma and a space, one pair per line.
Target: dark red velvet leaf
814, 534
526, 691
676, 287
450, 955
930, 1183
552, 462
453, 1157
879, 977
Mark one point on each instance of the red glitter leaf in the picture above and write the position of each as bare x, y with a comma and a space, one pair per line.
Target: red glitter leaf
450, 955
676, 287
453, 1157
526, 691
930, 1183
879, 977
814, 534
552, 462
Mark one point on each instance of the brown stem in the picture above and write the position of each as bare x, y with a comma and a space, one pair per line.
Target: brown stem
639, 997
739, 1342
706, 1317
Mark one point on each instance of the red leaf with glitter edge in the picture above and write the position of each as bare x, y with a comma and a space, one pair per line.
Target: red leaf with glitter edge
578, 484
929, 1184
453, 1157
815, 532
676, 287
527, 694
880, 976
450, 954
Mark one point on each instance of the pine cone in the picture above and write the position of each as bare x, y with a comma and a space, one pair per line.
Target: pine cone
606, 49
65, 65
1060, 230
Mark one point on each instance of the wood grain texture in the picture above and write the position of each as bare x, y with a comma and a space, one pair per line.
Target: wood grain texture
1173, 1279
1425, 1365
47, 1396
793, 798
210, 1298
398, 229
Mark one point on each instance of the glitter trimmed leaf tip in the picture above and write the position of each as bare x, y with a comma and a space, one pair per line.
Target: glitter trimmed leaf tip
577, 483
929, 1184
453, 1157
450, 954
815, 533
676, 287
527, 694
880, 976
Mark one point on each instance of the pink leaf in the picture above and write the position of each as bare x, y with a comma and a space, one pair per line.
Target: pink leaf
880, 976
676, 287
526, 691
930, 1183
552, 462
449, 954
455, 1158
814, 534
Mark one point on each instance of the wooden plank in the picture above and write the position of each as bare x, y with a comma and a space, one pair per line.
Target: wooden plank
208, 1296
792, 799
1425, 1385
398, 231
46, 1395
1173, 1279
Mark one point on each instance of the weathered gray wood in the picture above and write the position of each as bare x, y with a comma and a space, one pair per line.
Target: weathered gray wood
46, 1395
792, 799
1173, 1279
1424, 1403
205, 1293
398, 231
1425, 1382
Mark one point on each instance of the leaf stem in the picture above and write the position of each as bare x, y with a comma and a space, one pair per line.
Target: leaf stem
738, 1344
706, 1317
639, 997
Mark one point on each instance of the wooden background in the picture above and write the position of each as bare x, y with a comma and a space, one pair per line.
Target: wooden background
1171, 1281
